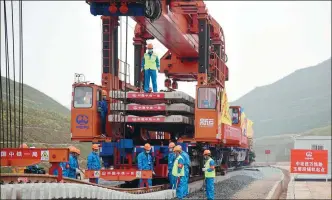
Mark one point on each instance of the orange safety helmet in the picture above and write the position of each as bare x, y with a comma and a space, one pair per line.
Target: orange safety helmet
171, 145
78, 151
72, 149
177, 148
95, 146
147, 147
149, 46
206, 152
104, 93
24, 145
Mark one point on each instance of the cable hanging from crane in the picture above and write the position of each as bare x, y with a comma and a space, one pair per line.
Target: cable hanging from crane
9, 134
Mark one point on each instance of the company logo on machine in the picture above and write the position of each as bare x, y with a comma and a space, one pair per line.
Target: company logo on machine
82, 121
308, 155
206, 122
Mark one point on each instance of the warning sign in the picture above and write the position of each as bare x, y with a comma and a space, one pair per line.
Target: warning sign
96, 174
138, 174
309, 161
45, 155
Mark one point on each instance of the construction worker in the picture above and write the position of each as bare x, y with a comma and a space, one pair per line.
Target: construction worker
209, 173
94, 162
77, 154
20, 170
72, 164
186, 158
102, 109
145, 162
171, 158
150, 65
179, 174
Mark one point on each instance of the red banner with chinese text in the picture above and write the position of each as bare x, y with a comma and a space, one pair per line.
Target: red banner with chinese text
306, 161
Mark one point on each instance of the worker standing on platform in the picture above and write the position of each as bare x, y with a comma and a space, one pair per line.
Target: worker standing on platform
145, 162
94, 162
179, 174
186, 158
171, 158
210, 174
102, 109
150, 65
72, 164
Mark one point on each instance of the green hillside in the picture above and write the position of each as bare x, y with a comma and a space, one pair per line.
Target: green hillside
298, 102
46, 122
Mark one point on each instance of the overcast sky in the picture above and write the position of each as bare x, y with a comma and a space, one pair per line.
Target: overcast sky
265, 41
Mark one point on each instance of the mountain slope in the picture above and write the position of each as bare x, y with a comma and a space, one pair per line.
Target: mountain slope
298, 102
45, 120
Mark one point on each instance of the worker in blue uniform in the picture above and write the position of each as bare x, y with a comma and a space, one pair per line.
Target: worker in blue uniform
72, 163
186, 158
94, 162
179, 174
150, 66
145, 162
102, 109
209, 173
171, 158
76, 155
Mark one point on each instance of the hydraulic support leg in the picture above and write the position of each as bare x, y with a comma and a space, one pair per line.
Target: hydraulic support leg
110, 63
203, 51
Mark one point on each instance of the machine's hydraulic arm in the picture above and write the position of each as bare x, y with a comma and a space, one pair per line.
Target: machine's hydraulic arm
195, 41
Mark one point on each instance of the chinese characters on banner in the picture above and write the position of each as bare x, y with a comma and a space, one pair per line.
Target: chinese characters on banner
309, 161
21, 154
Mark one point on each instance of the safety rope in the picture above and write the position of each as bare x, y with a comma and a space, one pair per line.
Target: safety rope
11, 138
2, 130
14, 105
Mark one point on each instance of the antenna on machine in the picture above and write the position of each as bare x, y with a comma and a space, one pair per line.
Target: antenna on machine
79, 78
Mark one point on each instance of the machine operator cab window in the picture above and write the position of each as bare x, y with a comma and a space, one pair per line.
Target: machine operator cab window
83, 97
235, 115
207, 98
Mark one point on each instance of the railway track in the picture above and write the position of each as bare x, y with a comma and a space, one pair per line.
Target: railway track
9, 178
42, 178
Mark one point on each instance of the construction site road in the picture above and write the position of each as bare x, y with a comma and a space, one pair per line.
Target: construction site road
251, 183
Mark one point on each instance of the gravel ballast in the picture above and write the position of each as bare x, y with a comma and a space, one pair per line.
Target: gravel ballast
244, 184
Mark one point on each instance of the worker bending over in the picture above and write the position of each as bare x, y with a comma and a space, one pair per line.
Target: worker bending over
94, 162
186, 158
150, 65
102, 109
210, 174
171, 158
179, 174
145, 162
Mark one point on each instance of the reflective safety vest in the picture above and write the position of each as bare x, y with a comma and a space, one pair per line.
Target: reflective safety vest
150, 62
175, 167
207, 166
